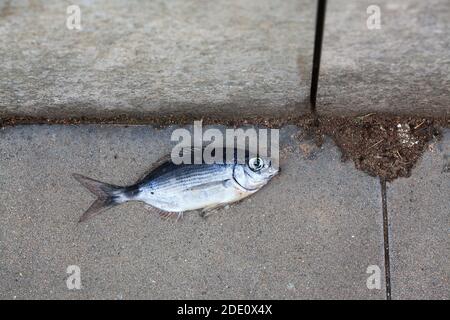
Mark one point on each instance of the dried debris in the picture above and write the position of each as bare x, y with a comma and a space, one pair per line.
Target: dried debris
381, 145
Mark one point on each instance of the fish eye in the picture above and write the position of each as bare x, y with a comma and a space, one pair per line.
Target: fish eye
256, 164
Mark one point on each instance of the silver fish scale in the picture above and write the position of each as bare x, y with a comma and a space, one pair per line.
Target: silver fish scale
190, 176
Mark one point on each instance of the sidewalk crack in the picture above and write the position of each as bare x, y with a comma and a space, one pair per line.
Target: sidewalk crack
387, 267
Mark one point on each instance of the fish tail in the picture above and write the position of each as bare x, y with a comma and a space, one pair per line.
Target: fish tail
108, 196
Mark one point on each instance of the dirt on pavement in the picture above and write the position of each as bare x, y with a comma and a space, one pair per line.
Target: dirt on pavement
386, 146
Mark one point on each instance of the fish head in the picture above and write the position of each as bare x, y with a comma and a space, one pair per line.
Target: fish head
256, 172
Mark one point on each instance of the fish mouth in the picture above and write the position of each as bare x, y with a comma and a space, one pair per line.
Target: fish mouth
273, 171
274, 167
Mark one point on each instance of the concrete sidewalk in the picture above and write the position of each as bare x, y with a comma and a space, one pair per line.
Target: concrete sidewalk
311, 233
221, 58
401, 68
155, 57
419, 213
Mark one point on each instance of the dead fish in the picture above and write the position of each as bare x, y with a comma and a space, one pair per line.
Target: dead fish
172, 189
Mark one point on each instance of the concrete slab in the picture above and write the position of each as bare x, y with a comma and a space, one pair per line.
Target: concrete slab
401, 68
419, 210
155, 57
311, 233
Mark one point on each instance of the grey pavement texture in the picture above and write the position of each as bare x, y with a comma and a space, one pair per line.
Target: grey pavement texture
419, 214
221, 58
155, 57
404, 67
310, 233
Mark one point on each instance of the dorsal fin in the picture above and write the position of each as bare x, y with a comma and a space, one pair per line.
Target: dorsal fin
156, 165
